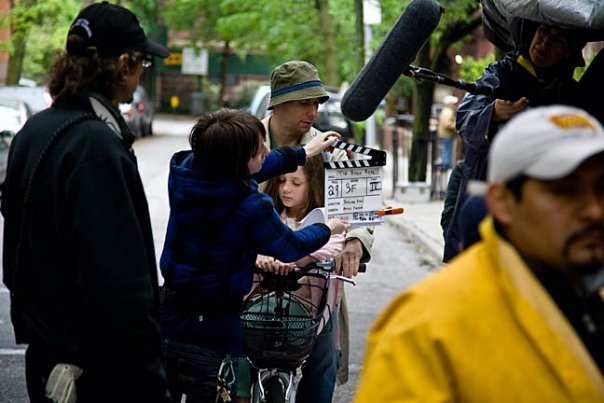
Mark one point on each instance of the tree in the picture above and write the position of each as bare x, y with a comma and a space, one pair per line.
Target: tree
38, 29
321, 32
460, 18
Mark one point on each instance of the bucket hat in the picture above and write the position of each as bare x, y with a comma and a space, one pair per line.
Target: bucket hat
294, 81
110, 30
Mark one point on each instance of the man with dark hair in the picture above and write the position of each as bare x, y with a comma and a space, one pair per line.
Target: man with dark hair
518, 316
539, 72
79, 259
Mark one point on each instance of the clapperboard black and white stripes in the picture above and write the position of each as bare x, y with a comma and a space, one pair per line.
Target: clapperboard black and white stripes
353, 188
378, 157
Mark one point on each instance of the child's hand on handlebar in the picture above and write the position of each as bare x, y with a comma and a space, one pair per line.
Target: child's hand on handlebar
337, 226
272, 265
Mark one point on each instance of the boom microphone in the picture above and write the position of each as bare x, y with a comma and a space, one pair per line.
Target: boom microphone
393, 56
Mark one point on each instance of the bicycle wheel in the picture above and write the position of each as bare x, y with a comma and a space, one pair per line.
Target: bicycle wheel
275, 386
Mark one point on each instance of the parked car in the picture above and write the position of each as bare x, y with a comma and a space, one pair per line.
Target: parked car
259, 102
13, 114
36, 98
139, 113
330, 116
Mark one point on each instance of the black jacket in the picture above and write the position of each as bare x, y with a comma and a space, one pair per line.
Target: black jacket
84, 287
474, 124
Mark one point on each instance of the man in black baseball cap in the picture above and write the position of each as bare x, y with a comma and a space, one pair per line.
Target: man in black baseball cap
79, 255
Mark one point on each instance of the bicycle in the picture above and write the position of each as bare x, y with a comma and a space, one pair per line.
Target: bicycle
281, 323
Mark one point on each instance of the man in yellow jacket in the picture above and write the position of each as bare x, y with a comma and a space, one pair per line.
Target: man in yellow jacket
518, 316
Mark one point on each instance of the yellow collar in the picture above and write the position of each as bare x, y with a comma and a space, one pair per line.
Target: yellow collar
528, 66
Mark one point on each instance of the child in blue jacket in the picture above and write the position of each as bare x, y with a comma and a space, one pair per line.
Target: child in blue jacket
219, 222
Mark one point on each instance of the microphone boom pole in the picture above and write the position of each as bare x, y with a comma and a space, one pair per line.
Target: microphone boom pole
420, 73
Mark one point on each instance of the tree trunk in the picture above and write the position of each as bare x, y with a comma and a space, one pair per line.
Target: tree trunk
331, 75
224, 65
15, 59
360, 34
422, 96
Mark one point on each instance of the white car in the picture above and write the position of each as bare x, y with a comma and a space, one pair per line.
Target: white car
36, 98
13, 114
139, 113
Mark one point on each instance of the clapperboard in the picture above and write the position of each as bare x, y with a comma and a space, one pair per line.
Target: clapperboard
353, 188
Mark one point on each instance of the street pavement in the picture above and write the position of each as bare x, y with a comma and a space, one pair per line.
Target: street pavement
420, 220
421, 223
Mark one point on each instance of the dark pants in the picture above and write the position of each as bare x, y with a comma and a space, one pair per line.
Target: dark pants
101, 382
193, 371
38, 365
319, 372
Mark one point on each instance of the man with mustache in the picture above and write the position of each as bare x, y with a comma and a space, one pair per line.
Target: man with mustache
517, 317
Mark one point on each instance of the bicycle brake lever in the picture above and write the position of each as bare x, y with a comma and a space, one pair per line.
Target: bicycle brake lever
342, 278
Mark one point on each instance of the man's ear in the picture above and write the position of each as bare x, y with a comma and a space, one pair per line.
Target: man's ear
501, 202
124, 63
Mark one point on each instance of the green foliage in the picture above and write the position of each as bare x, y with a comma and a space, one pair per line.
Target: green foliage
43, 26
146, 11
472, 69
283, 29
579, 71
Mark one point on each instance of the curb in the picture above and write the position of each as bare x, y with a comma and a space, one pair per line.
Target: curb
431, 251
429, 247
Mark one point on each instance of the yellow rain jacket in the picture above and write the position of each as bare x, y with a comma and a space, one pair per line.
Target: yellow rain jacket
481, 330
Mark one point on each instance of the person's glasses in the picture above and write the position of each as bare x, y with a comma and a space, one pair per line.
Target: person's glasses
147, 62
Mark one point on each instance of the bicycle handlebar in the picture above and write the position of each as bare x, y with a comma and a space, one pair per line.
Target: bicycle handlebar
325, 266
289, 281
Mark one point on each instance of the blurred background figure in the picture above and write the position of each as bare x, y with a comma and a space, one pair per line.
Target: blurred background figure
447, 135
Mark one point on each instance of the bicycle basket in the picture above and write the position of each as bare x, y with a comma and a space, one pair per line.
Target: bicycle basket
279, 330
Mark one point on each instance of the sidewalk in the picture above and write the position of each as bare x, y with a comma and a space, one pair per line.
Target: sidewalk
420, 222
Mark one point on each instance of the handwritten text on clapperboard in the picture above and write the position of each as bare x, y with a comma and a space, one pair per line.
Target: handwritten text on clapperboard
354, 194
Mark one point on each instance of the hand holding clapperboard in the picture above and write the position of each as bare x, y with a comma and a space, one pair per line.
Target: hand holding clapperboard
353, 189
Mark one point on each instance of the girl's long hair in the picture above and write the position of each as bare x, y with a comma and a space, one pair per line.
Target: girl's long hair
314, 171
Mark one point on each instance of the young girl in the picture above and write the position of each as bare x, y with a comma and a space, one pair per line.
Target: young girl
219, 222
295, 195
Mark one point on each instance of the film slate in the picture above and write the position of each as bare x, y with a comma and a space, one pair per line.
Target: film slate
353, 188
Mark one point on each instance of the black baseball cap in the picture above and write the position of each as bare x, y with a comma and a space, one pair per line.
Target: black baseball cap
110, 30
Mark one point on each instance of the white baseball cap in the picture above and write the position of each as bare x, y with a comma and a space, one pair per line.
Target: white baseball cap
544, 143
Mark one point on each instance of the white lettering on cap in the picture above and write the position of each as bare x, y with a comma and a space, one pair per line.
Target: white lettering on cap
85, 24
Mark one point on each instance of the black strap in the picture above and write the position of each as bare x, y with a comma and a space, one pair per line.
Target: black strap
27, 199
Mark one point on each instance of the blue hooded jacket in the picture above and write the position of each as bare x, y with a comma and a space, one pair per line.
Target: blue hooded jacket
216, 229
